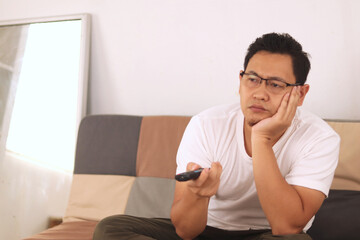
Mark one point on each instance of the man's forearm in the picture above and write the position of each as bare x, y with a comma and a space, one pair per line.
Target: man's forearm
189, 215
281, 203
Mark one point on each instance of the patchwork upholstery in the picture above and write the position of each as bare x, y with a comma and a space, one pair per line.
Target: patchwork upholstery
123, 165
126, 165
129, 162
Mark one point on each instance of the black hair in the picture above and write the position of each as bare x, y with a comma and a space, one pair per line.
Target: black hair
282, 44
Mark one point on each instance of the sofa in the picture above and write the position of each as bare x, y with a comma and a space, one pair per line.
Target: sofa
126, 165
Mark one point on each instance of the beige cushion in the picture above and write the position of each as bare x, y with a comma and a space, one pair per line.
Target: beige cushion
347, 174
94, 197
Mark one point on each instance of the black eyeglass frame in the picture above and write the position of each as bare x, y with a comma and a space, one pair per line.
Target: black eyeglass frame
242, 73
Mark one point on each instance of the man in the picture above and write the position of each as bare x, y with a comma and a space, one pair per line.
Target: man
268, 165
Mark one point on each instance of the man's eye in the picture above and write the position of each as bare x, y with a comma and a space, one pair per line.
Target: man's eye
253, 79
276, 85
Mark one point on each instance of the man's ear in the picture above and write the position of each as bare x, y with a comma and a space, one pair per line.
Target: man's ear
303, 91
240, 82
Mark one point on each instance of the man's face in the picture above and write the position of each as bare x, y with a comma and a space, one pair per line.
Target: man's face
258, 103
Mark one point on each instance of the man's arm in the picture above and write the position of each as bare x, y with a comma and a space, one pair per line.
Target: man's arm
190, 206
287, 208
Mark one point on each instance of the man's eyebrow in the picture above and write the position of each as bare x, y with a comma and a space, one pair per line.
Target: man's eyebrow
253, 73
270, 78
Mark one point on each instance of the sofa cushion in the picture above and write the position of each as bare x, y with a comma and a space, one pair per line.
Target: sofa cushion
77, 230
151, 197
107, 144
159, 140
347, 175
338, 217
94, 197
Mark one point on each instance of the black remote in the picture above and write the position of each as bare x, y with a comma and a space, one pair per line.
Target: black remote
185, 176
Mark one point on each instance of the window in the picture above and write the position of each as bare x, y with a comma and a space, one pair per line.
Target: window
44, 119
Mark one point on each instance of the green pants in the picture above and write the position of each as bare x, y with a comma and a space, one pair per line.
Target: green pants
121, 227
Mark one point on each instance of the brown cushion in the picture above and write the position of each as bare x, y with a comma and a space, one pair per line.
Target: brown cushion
77, 230
159, 140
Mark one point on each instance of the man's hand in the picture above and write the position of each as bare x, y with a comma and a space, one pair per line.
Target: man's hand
208, 182
190, 207
271, 129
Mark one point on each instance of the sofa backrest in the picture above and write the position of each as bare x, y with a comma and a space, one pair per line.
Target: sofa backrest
347, 174
126, 164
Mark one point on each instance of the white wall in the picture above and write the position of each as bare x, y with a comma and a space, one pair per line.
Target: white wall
182, 56
30, 194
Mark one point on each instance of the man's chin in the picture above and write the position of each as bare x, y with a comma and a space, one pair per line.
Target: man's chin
252, 123
253, 119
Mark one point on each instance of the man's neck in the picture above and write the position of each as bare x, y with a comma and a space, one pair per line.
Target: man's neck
247, 138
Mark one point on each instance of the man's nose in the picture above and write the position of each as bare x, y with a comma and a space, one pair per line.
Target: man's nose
261, 92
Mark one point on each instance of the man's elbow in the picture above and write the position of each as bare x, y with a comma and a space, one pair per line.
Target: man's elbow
186, 232
184, 229
183, 234
286, 229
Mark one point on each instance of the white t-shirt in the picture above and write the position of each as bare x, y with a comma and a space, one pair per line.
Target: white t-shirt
306, 154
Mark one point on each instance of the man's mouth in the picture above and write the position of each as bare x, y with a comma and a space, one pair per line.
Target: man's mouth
257, 108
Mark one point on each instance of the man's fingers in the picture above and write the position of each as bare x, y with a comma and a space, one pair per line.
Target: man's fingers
217, 169
293, 102
202, 178
192, 166
288, 105
283, 105
210, 174
214, 172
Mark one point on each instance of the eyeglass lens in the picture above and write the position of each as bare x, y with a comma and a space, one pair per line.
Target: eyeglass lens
275, 86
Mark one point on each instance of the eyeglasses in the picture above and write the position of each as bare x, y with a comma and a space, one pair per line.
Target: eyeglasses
275, 86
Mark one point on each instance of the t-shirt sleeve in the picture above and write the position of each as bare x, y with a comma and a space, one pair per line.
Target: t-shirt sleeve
193, 147
316, 163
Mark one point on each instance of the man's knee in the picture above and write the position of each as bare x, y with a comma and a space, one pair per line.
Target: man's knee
110, 224
300, 236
